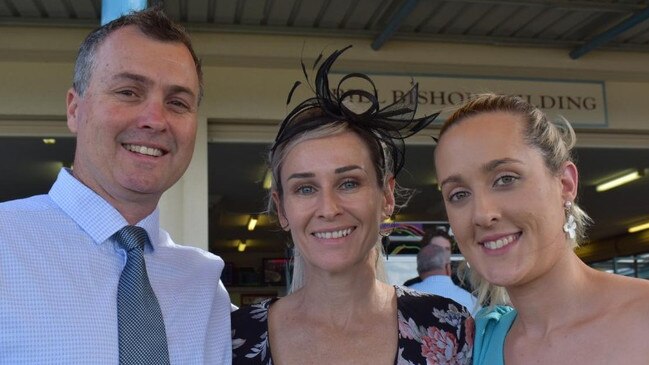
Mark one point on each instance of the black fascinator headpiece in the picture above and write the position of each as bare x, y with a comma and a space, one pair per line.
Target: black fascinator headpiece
389, 126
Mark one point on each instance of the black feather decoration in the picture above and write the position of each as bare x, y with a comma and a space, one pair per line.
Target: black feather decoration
290, 93
389, 125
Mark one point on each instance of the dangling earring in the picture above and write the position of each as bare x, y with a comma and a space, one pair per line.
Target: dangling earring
385, 242
385, 232
386, 228
570, 226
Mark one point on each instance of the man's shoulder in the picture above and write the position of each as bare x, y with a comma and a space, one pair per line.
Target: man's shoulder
190, 252
26, 203
36, 203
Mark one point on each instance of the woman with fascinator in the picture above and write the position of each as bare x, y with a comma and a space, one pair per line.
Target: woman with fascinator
509, 186
334, 175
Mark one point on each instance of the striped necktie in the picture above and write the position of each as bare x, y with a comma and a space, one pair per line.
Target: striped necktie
142, 335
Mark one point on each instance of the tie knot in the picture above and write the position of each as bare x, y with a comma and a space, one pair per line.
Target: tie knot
131, 237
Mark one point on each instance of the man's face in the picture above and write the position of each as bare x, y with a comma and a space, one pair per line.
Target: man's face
441, 242
136, 121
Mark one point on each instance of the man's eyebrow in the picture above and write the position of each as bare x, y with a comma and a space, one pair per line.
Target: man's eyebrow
134, 77
177, 89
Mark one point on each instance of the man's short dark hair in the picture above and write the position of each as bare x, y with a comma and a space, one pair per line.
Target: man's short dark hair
152, 22
432, 233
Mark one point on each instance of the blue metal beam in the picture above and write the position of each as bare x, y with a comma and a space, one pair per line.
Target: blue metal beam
610, 34
406, 8
113, 9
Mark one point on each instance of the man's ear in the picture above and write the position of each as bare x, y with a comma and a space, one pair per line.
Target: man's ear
72, 103
569, 181
283, 222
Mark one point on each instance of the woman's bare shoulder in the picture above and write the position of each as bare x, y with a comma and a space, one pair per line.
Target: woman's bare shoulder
627, 295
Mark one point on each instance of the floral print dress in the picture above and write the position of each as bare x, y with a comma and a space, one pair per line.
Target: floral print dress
432, 330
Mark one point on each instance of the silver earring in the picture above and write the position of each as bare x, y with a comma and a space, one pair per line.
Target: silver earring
570, 226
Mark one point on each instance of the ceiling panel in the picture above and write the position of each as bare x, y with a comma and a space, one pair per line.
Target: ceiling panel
252, 12
519, 21
198, 11
561, 23
421, 16
442, 18
27, 9
471, 14
54, 9
6, 11
224, 12
367, 13
84, 9
555, 24
335, 13
280, 12
487, 20
308, 13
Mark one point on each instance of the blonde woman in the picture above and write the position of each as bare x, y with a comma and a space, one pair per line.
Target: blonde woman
333, 183
509, 186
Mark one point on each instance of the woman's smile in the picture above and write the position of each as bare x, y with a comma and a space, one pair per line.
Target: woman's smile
334, 233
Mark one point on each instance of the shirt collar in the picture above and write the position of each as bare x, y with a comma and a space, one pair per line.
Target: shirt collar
438, 279
92, 213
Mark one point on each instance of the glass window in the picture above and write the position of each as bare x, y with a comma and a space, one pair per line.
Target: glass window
606, 266
625, 265
643, 265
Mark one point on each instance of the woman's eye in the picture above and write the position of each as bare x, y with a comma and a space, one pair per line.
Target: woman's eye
305, 189
457, 196
505, 180
349, 184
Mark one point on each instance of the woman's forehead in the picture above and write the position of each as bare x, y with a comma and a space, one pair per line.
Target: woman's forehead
344, 147
480, 139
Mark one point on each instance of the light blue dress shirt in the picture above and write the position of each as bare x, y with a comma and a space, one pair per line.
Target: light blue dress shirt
491, 328
443, 286
59, 270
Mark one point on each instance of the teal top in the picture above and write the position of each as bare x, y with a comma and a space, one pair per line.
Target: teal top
491, 327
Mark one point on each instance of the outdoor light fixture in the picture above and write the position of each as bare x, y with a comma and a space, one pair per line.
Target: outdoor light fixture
241, 246
49, 140
252, 222
639, 227
624, 179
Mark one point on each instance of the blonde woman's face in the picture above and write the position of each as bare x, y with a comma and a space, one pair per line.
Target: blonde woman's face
503, 204
332, 203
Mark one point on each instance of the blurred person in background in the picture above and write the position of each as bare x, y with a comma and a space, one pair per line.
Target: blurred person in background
434, 268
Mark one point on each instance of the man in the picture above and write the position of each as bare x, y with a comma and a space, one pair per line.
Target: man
434, 237
68, 259
434, 268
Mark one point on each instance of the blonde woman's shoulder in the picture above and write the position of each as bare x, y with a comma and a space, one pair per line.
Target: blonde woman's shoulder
631, 287
627, 316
